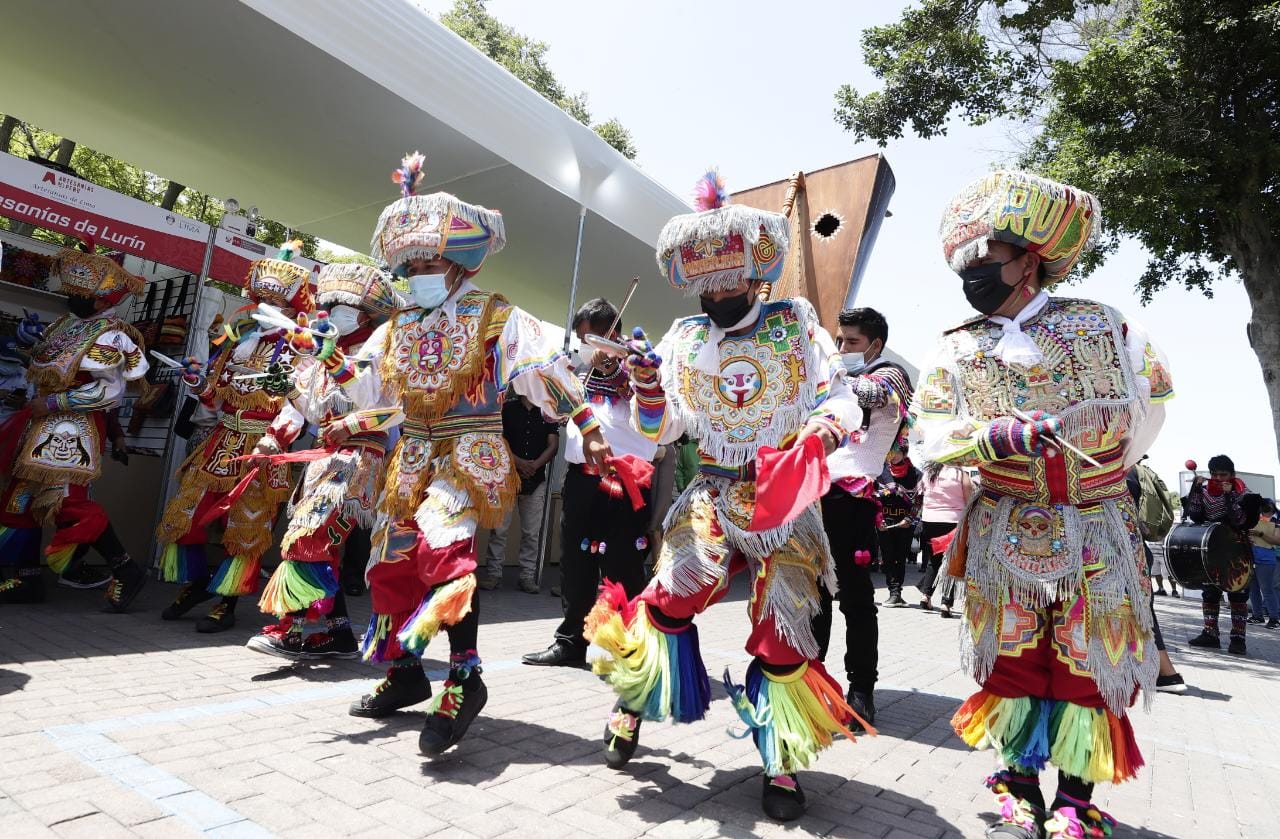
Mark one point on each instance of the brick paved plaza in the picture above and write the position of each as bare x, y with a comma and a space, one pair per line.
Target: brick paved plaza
115, 725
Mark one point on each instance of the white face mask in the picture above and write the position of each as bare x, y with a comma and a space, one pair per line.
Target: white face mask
345, 319
429, 290
854, 362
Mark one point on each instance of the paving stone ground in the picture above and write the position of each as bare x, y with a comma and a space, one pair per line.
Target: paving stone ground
124, 725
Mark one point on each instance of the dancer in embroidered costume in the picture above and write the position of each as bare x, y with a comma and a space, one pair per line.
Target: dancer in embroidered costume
51, 449
339, 488
744, 378
1058, 626
446, 362
249, 386
1224, 499
605, 512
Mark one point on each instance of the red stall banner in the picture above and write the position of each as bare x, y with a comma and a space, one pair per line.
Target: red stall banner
65, 204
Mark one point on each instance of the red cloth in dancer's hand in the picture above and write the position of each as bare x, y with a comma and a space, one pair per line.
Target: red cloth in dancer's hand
941, 543
634, 474
789, 481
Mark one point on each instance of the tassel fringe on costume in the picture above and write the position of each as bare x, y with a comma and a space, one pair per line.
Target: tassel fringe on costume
791, 717
236, 576
380, 642
295, 586
656, 674
444, 606
1089, 743
183, 563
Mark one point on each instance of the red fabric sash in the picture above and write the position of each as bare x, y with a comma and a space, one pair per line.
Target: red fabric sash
632, 473
788, 481
224, 506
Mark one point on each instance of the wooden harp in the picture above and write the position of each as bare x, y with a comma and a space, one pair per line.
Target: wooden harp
835, 216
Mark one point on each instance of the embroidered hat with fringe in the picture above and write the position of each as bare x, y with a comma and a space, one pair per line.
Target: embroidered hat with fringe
1056, 221
722, 244
281, 281
434, 226
92, 275
362, 286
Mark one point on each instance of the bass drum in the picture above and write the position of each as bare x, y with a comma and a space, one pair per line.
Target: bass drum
1196, 555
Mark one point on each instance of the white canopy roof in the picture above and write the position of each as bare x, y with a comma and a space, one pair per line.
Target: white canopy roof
304, 107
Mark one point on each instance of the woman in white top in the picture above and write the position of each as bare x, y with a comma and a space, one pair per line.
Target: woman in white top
946, 491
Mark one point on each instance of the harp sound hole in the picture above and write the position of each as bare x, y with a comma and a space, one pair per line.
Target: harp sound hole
826, 225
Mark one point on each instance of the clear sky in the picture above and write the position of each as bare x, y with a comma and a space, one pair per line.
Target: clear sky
749, 87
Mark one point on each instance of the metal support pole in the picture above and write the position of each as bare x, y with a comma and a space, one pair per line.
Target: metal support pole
573, 285
166, 475
555, 472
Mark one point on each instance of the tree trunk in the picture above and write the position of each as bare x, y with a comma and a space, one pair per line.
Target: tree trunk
171, 193
1256, 250
6, 132
62, 157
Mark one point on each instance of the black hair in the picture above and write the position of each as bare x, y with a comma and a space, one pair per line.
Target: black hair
1221, 463
598, 314
868, 321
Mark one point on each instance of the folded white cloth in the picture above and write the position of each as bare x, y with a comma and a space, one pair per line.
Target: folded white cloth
1015, 346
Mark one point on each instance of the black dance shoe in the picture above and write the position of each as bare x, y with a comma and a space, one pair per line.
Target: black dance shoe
782, 798
1204, 639
220, 618
559, 654
621, 737
865, 706
402, 687
459, 704
192, 595
127, 580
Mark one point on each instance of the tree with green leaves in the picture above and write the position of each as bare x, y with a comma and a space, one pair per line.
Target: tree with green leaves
525, 59
1167, 110
114, 174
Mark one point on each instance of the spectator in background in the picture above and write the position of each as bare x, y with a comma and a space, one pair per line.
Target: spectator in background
1221, 499
945, 492
533, 441
897, 492
1168, 680
1262, 587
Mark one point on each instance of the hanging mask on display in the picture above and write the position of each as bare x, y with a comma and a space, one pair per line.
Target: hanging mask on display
345, 319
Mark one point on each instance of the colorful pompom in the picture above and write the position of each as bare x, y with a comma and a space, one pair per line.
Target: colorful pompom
410, 174
709, 193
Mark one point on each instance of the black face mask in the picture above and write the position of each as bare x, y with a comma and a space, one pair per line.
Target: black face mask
82, 307
983, 288
725, 313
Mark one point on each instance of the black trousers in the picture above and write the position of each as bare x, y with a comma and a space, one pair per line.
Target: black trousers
895, 545
851, 527
932, 560
594, 517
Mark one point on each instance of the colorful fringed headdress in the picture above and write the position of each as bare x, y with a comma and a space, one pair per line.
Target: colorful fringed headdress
95, 276
722, 244
433, 226
362, 286
280, 281
1056, 221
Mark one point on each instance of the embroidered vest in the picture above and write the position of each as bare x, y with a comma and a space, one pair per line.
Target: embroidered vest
429, 363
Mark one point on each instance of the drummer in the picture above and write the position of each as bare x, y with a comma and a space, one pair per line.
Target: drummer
1221, 499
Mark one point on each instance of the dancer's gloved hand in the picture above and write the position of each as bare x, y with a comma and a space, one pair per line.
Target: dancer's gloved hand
643, 363
30, 329
1010, 437
193, 373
